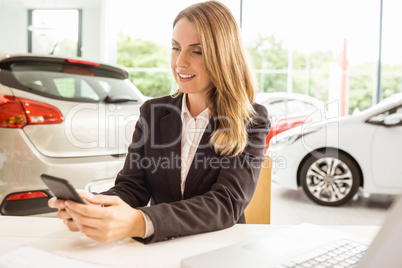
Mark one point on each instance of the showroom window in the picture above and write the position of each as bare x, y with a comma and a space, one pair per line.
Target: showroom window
391, 56
326, 49
52, 31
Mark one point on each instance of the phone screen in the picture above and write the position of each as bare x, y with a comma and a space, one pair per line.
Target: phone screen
61, 188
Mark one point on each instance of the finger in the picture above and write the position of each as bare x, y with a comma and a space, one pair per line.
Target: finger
56, 203
83, 222
75, 209
94, 233
85, 194
97, 235
71, 225
63, 214
106, 200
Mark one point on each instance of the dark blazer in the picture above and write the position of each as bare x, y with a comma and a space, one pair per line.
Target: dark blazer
217, 188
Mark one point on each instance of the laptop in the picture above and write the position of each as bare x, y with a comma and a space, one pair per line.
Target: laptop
307, 244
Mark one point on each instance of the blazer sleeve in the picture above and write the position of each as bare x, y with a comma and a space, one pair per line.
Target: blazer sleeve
130, 184
224, 204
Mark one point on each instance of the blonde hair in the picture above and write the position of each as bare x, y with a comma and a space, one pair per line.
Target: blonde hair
227, 65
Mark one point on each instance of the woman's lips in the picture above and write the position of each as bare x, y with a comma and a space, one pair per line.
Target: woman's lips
185, 77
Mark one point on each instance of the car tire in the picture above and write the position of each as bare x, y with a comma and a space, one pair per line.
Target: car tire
330, 177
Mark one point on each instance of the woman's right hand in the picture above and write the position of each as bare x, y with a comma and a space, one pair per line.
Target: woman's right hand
63, 214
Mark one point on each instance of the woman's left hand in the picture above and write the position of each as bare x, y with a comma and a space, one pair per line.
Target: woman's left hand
111, 220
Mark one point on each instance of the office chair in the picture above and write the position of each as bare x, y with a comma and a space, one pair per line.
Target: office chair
258, 210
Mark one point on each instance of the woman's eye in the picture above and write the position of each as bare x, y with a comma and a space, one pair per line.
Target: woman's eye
175, 49
198, 52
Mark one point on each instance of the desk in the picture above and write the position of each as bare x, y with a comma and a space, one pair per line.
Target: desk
51, 235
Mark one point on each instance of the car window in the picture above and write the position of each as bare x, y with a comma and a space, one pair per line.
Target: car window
276, 108
70, 87
300, 107
309, 107
296, 107
107, 87
69, 82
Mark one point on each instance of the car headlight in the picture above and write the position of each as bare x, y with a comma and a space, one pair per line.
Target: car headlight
290, 136
285, 140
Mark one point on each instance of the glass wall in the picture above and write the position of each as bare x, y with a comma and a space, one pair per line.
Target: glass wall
54, 31
145, 40
325, 49
391, 55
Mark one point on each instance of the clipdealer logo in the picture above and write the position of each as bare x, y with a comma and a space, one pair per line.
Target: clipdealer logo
96, 125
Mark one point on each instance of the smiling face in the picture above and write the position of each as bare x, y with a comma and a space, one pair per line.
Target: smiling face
186, 61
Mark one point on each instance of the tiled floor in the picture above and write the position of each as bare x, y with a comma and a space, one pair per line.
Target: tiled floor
294, 207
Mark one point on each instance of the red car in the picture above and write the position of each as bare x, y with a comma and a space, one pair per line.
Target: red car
288, 110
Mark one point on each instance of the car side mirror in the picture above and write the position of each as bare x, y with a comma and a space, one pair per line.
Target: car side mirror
393, 119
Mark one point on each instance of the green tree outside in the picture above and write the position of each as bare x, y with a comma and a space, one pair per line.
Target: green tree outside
267, 53
310, 72
150, 65
137, 53
391, 80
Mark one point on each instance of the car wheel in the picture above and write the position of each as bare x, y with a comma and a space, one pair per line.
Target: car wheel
331, 178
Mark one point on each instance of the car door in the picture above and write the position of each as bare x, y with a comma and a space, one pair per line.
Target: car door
386, 156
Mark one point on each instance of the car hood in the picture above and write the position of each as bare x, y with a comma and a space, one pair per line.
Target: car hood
312, 127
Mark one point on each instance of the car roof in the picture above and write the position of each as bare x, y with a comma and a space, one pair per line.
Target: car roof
4, 58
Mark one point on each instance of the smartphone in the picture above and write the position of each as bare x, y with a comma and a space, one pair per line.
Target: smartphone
61, 188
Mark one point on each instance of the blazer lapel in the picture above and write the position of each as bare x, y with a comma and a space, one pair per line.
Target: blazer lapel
171, 126
200, 164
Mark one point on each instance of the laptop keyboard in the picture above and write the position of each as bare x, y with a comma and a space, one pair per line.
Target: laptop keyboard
342, 253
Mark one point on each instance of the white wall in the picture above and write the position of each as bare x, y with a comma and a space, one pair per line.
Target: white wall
99, 34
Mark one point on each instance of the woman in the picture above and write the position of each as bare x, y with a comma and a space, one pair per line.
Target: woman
195, 155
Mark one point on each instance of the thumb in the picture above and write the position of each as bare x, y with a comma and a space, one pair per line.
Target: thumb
105, 200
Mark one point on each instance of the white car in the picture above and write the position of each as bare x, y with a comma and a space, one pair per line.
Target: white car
64, 117
287, 110
332, 159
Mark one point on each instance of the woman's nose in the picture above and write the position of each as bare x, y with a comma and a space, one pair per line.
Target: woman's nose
182, 59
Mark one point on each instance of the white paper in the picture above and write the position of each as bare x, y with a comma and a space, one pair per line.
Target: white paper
28, 257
